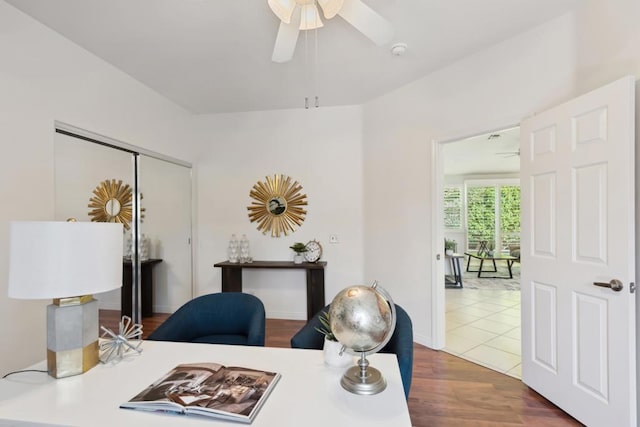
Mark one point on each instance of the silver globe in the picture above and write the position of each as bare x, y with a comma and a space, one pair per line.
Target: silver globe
362, 318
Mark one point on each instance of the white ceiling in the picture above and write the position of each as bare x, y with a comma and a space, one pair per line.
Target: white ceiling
214, 56
492, 153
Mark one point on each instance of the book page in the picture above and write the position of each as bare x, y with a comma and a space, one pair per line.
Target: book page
210, 388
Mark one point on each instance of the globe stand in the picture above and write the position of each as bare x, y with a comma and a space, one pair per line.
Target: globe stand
363, 379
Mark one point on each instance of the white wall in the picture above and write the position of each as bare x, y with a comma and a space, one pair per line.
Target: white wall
43, 78
322, 150
366, 170
608, 37
490, 90
47, 78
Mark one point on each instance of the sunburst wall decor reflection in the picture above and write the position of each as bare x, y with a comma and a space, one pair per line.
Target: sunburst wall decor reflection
277, 205
112, 203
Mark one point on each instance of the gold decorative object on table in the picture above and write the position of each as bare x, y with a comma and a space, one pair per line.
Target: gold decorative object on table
278, 205
112, 203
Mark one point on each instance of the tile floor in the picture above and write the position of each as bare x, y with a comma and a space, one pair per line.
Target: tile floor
483, 326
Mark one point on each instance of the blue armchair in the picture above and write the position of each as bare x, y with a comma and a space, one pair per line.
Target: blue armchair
220, 318
401, 342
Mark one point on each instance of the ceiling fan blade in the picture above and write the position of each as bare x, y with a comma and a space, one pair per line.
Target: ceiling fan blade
285, 42
367, 21
330, 7
282, 8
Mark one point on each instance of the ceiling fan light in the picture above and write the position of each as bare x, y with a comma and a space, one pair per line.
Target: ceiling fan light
283, 9
330, 7
309, 17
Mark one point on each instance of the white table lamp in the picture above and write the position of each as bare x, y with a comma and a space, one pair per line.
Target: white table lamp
67, 262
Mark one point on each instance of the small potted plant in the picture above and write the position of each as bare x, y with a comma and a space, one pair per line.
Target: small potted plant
299, 248
325, 329
490, 248
332, 349
450, 246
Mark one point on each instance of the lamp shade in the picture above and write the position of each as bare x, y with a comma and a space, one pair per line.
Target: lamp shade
64, 259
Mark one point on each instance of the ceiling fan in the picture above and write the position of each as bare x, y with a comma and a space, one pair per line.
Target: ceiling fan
296, 15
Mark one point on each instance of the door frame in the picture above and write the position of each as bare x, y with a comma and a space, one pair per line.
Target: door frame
437, 228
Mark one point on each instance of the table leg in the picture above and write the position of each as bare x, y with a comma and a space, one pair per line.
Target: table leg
480, 268
509, 264
315, 291
147, 290
231, 279
457, 271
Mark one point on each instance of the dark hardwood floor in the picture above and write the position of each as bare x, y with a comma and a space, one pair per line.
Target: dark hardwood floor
445, 390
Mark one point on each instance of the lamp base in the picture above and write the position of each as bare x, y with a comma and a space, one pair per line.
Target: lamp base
67, 363
72, 337
363, 379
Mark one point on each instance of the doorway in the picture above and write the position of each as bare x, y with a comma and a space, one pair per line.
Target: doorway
480, 180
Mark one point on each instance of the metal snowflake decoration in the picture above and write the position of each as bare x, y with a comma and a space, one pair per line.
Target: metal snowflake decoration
113, 347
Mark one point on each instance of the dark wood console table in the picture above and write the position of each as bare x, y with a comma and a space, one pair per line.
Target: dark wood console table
232, 279
146, 282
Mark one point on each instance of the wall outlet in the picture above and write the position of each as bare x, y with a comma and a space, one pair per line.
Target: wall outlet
333, 238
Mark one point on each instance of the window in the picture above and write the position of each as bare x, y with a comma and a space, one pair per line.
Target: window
509, 215
452, 208
481, 215
493, 213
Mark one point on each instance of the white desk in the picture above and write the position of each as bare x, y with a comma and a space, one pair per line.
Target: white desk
309, 393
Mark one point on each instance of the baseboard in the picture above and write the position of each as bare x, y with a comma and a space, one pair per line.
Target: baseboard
423, 340
164, 309
285, 315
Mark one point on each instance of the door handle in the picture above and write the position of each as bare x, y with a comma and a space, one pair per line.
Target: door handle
615, 285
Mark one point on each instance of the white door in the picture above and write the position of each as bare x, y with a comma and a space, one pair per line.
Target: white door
577, 178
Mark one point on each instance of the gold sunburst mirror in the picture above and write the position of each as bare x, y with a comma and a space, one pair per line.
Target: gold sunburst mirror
277, 205
111, 202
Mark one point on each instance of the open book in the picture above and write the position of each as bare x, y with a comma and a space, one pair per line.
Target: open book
208, 389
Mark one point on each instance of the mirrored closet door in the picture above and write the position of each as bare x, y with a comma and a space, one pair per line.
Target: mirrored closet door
165, 190
99, 179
